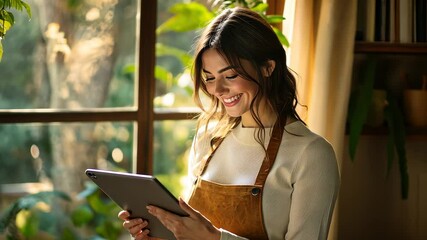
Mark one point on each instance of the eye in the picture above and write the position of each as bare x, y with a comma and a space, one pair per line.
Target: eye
232, 77
208, 79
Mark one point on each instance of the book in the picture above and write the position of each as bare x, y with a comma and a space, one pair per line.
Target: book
382, 20
405, 21
420, 20
365, 30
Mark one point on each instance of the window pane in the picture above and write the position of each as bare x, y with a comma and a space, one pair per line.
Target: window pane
172, 142
39, 158
58, 154
71, 55
174, 56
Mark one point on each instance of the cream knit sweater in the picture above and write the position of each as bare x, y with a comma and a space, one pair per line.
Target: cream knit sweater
300, 190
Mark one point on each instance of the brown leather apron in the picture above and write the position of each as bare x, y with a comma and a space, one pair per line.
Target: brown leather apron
236, 208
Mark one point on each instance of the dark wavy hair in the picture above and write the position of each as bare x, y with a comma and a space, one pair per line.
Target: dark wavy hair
242, 34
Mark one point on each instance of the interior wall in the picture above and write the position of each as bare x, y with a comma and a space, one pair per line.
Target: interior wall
370, 205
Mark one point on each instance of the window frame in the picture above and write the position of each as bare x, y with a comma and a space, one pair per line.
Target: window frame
143, 115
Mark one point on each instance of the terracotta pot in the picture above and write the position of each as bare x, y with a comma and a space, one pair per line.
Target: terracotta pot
416, 107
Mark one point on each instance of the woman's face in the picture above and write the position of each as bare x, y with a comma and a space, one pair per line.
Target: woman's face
233, 91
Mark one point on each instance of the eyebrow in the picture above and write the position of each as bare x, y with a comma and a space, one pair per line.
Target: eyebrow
220, 71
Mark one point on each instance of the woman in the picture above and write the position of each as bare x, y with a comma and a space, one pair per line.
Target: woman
258, 172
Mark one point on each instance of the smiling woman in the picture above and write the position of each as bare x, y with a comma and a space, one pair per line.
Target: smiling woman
253, 162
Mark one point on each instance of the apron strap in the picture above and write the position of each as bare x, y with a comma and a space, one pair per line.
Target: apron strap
272, 150
215, 142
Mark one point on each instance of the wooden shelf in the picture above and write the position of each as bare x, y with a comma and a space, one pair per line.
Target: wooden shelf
387, 47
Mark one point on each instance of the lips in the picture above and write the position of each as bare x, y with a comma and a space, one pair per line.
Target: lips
232, 100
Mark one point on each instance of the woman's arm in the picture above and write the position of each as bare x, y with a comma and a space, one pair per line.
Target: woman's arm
316, 182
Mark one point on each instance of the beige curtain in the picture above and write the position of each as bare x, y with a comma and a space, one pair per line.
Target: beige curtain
321, 53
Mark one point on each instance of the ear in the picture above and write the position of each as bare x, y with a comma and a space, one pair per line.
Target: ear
267, 70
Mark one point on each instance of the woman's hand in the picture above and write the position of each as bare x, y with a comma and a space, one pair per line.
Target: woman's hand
194, 226
135, 226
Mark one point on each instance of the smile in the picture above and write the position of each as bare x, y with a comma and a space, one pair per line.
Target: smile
233, 99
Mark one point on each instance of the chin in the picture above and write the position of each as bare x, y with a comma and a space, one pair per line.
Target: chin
235, 113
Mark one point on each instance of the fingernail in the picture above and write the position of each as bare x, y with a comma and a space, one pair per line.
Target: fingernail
150, 209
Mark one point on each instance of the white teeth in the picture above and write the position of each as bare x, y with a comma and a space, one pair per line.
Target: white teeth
232, 99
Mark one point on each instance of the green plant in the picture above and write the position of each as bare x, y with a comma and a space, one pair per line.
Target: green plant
30, 214
360, 103
54, 214
7, 18
97, 212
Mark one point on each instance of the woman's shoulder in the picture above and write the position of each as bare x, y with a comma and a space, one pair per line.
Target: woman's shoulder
298, 130
301, 140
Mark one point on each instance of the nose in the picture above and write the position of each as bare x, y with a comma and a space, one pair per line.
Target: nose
220, 87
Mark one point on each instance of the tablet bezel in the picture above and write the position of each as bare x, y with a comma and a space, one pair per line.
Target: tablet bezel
133, 192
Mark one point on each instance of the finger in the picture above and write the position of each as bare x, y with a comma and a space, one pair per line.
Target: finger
135, 225
136, 229
188, 209
124, 215
168, 219
158, 212
142, 235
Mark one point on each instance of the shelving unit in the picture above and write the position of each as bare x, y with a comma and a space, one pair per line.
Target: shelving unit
416, 50
370, 204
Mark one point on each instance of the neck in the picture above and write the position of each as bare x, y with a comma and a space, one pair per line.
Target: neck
267, 119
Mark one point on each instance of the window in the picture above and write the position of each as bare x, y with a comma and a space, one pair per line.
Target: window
78, 90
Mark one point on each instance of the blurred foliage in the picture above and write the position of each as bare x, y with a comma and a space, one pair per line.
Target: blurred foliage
7, 19
54, 215
29, 214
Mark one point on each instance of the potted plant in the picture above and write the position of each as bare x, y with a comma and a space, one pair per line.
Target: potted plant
361, 104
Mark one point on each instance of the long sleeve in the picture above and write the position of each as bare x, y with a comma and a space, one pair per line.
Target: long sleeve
225, 235
315, 181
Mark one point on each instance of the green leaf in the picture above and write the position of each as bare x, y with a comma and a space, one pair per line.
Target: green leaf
67, 234
275, 18
129, 69
187, 17
260, 7
4, 27
82, 215
1, 49
359, 107
281, 36
163, 74
7, 16
182, 56
99, 205
397, 130
27, 8
108, 230
31, 225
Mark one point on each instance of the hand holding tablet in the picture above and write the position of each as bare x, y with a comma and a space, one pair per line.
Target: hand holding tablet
134, 192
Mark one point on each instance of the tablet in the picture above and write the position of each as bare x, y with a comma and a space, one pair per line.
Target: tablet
133, 192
